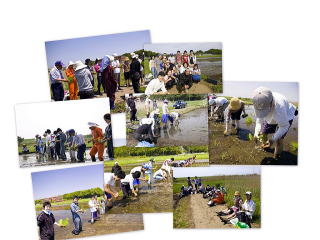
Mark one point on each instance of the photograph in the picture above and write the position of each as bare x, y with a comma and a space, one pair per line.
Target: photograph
51, 133
70, 203
178, 68
97, 66
166, 120
254, 123
217, 197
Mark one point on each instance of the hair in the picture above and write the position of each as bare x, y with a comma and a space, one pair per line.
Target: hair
75, 197
178, 51
196, 65
87, 61
59, 130
191, 51
185, 51
136, 174
54, 132
161, 74
172, 159
130, 94
48, 131
46, 203
107, 116
185, 63
120, 174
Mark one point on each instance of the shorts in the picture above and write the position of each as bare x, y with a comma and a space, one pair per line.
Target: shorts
136, 182
108, 195
196, 78
94, 214
165, 118
272, 128
236, 115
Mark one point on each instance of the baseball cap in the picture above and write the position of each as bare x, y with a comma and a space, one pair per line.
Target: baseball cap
59, 62
262, 98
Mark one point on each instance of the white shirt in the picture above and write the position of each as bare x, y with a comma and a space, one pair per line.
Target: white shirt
175, 115
220, 101
182, 69
165, 109
154, 86
249, 207
55, 74
109, 179
172, 59
92, 205
48, 139
158, 173
281, 113
116, 65
128, 180
136, 169
147, 121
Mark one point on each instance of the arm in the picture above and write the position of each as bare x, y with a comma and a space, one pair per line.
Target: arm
111, 190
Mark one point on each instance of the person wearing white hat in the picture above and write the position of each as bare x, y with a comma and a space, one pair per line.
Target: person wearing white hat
73, 85
249, 207
275, 115
97, 140
116, 68
135, 73
218, 106
165, 113
84, 79
233, 112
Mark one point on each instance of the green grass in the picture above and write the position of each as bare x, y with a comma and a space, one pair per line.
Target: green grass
138, 159
209, 55
38, 206
182, 214
240, 183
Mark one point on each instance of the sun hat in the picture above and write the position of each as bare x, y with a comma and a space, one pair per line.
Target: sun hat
235, 104
248, 193
92, 124
236, 193
212, 101
126, 59
115, 55
70, 63
79, 65
262, 98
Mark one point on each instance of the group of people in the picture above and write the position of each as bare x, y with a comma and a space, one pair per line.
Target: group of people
180, 70
54, 143
81, 80
274, 115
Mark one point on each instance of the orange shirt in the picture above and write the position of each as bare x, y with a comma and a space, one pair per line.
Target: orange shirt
219, 198
70, 75
97, 134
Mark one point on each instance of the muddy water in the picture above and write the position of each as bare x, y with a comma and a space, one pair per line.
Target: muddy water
107, 224
32, 160
192, 130
237, 149
212, 67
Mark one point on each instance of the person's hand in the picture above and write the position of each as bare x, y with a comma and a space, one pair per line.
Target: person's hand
116, 195
225, 132
268, 144
255, 139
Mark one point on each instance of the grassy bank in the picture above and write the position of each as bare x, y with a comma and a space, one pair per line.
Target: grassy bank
240, 183
182, 214
38, 206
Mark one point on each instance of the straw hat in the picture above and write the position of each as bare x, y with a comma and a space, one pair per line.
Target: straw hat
235, 104
236, 193
79, 65
126, 59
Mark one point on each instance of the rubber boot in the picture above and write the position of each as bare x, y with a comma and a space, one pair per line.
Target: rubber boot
93, 158
278, 149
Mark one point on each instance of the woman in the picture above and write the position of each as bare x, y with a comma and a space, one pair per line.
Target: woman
73, 85
109, 82
126, 71
97, 69
233, 112
196, 74
152, 66
192, 59
171, 79
183, 68
185, 57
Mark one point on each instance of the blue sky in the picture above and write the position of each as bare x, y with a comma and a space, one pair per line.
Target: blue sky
57, 182
174, 47
96, 46
245, 89
216, 171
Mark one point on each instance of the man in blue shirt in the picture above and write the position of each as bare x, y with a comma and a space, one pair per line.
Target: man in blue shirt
56, 80
75, 210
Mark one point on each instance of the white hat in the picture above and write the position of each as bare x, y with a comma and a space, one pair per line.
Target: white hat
248, 193
212, 101
262, 99
132, 54
71, 63
79, 65
92, 124
115, 55
111, 58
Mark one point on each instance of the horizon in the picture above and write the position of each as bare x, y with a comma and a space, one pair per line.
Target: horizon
174, 47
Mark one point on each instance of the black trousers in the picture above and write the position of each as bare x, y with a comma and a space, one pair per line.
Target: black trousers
136, 85
80, 153
110, 148
86, 94
57, 91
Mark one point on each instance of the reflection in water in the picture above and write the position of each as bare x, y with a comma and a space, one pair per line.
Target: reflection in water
210, 66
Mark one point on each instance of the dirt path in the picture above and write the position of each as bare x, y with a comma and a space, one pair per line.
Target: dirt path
204, 216
197, 88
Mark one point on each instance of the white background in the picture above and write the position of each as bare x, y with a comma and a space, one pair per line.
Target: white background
262, 40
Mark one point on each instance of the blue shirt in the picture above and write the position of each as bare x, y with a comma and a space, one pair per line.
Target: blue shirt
74, 208
55, 74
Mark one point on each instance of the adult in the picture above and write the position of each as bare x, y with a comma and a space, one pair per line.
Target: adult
132, 106
126, 71
218, 198
109, 82
75, 210
165, 112
185, 81
171, 79
233, 112
46, 222
157, 62
97, 141
156, 85
116, 69
275, 115
63, 139
249, 208
88, 63
78, 143
230, 213
135, 73
72, 81
149, 171
56, 80
196, 74
192, 59
172, 59
218, 106
178, 58
110, 180
185, 57
145, 132
57, 145
84, 78
97, 68
108, 136
127, 185
152, 67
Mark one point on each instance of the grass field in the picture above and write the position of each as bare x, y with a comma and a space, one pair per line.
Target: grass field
182, 213
240, 183
38, 206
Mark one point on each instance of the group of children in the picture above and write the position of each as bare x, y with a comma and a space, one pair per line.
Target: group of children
180, 70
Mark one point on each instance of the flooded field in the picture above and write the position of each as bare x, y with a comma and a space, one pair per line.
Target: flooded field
107, 224
192, 130
33, 160
238, 149
211, 67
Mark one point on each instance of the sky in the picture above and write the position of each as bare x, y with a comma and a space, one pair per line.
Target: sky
96, 46
245, 89
174, 47
57, 182
215, 171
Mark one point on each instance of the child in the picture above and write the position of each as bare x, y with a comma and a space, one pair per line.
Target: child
165, 112
93, 209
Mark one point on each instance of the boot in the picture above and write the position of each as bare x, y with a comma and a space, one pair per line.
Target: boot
93, 158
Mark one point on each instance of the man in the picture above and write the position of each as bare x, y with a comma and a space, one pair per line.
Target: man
46, 222
218, 106
127, 184
116, 69
84, 78
108, 136
135, 73
178, 57
110, 180
97, 141
62, 139
78, 143
56, 80
275, 115
249, 207
145, 131
185, 81
172, 59
132, 105
142, 169
75, 210
156, 85
116, 167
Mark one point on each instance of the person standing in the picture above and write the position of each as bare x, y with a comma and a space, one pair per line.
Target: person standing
56, 80
97, 68
192, 60
116, 69
75, 210
126, 71
78, 143
84, 78
73, 85
57, 145
133, 110
88, 63
149, 171
152, 66
178, 58
234, 111
97, 141
63, 139
135, 73
185, 57
108, 136
109, 82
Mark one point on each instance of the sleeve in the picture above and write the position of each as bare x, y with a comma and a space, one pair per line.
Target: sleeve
258, 126
131, 183
253, 208
54, 74
40, 220
53, 218
90, 75
283, 124
163, 87
149, 88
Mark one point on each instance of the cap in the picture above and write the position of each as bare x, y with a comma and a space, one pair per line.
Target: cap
59, 62
248, 193
262, 98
